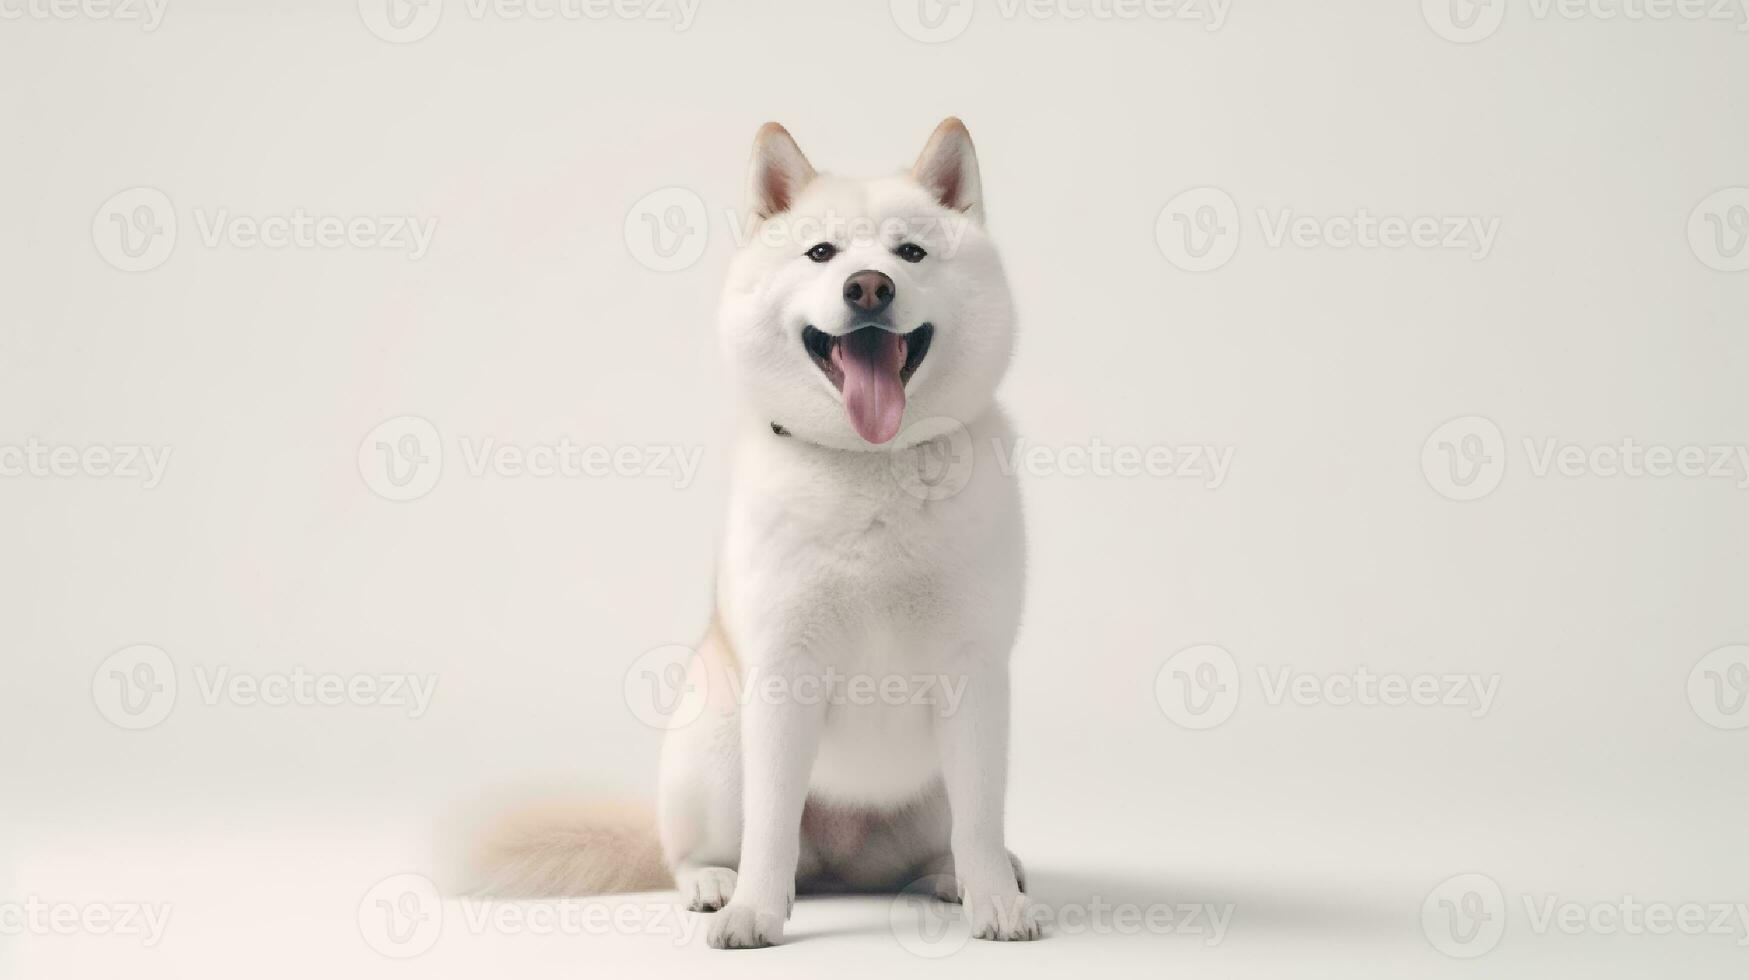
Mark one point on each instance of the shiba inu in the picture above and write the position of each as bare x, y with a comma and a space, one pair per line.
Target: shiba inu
853, 727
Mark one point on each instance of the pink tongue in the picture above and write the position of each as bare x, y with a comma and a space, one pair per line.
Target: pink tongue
874, 397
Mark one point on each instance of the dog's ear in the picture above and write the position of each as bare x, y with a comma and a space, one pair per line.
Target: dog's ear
778, 172
948, 168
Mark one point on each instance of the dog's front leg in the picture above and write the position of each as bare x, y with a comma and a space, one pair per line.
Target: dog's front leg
973, 741
780, 733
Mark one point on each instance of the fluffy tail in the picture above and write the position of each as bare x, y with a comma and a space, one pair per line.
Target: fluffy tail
554, 851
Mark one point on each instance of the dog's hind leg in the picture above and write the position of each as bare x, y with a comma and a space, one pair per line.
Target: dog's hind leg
698, 811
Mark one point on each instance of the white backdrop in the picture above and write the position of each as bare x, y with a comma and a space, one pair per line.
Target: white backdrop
1455, 293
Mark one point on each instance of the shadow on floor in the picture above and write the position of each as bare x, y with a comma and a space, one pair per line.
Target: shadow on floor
1252, 904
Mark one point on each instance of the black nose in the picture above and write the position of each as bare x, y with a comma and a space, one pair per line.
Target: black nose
868, 291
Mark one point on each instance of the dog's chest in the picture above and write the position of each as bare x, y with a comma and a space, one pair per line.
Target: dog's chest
850, 531
848, 555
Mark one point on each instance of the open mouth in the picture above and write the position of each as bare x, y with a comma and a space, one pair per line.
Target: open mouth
869, 367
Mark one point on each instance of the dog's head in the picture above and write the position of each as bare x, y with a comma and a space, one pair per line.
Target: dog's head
856, 307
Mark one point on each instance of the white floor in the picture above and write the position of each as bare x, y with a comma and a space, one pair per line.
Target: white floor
323, 907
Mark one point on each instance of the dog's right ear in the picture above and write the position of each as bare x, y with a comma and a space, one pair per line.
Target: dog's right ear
778, 172
948, 167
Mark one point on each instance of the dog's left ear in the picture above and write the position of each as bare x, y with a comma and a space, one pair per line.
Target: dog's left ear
948, 168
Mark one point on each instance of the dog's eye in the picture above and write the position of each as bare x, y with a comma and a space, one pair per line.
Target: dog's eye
822, 252
910, 252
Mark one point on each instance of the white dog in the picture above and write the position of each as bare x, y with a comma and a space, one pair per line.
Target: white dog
854, 730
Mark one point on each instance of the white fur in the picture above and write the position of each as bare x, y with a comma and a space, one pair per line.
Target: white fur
837, 563
833, 561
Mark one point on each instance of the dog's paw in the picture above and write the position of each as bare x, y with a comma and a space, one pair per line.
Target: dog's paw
943, 885
1005, 920
739, 927
707, 889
